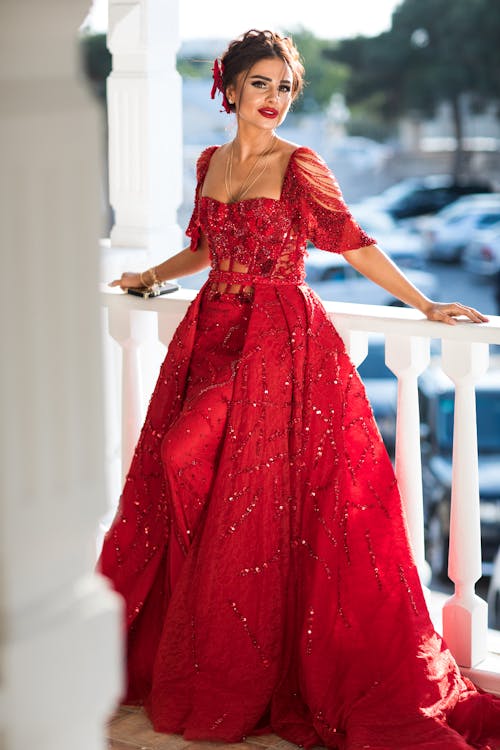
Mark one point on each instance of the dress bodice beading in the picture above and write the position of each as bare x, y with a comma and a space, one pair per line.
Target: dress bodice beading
246, 278
251, 244
263, 240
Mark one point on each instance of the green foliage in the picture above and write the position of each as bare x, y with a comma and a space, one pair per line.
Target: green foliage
488, 61
436, 50
190, 68
96, 62
324, 77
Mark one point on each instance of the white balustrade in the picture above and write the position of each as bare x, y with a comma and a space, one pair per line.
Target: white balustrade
465, 615
407, 354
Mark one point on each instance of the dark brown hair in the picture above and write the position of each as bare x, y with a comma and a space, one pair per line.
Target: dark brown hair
254, 45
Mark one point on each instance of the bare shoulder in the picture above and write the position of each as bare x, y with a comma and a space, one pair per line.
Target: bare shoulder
214, 153
289, 150
285, 148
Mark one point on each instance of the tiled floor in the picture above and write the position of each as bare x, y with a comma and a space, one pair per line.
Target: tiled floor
130, 729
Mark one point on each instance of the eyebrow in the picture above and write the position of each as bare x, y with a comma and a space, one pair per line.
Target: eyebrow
265, 78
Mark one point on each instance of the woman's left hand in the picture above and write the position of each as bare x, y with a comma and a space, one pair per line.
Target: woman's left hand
446, 312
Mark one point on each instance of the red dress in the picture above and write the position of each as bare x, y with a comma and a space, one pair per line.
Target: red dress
260, 543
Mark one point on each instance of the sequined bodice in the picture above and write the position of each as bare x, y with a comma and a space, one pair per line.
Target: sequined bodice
266, 238
256, 234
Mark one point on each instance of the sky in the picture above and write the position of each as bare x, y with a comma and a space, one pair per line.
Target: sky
328, 19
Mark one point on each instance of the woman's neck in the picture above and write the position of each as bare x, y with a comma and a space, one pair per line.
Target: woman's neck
250, 142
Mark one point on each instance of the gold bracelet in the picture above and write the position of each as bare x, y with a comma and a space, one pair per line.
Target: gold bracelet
153, 273
141, 277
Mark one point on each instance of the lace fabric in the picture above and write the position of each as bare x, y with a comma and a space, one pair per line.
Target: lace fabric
260, 543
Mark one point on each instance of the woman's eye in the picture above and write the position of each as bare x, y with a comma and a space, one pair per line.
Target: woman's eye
258, 84
285, 88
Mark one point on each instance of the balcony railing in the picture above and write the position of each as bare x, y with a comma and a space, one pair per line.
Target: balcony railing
143, 328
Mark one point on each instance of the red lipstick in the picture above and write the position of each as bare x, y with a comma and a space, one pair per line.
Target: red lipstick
269, 112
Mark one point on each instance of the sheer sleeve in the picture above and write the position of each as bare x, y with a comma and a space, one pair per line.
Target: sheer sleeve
324, 216
193, 230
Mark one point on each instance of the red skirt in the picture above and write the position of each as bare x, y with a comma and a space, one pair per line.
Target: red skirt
262, 551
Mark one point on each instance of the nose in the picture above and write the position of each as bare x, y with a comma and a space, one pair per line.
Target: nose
273, 93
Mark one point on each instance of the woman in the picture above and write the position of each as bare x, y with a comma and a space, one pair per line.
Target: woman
260, 543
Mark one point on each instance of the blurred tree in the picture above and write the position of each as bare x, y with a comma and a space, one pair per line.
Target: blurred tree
488, 61
194, 68
435, 51
96, 65
96, 62
324, 77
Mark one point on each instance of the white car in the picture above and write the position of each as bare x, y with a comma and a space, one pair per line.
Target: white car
482, 254
452, 230
333, 278
419, 196
467, 204
405, 247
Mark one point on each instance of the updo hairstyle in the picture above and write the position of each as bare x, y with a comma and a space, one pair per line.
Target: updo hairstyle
244, 52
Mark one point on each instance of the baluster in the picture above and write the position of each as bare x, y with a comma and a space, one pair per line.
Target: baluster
356, 342
167, 324
465, 615
407, 357
129, 328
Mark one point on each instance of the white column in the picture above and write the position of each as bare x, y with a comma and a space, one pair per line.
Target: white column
145, 126
407, 357
60, 631
465, 615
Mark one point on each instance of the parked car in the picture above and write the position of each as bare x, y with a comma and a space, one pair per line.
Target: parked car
482, 255
452, 234
426, 224
436, 410
333, 278
381, 388
405, 247
417, 196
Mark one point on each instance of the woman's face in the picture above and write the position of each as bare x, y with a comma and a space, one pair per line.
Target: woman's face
263, 94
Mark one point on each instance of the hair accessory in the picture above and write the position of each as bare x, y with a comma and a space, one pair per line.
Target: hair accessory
218, 85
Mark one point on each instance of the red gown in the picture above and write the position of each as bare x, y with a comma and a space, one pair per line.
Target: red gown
260, 543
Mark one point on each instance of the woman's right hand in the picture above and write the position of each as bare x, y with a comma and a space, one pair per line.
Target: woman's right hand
128, 280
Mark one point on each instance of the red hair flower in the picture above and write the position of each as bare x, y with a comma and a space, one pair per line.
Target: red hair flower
218, 85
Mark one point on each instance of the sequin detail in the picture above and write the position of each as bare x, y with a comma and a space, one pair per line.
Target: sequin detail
260, 544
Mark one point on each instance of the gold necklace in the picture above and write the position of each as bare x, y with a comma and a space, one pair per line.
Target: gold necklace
247, 183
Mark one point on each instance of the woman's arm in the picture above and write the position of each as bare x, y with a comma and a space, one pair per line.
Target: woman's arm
182, 264
376, 266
